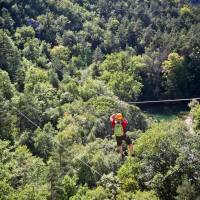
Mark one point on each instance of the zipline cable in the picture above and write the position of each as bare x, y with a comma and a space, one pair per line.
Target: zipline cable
22, 114
162, 101
37, 126
153, 102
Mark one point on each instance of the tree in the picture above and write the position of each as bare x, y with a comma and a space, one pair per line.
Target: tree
44, 141
67, 188
94, 33
23, 35
150, 195
128, 175
122, 74
98, 193
185, 10
69, 39
161, 151
7, 21
123, 85
8, 119
175, 75
97, 55
185, 191
24, 174
6, 192
93, 162
152, 75
31, 49
92, 88
60, 58
39, 95
9, 55
33, 77
32, 192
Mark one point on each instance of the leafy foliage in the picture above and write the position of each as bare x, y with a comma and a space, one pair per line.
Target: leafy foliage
65, 67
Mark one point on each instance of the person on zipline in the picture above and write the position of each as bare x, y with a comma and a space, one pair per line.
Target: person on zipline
119, 128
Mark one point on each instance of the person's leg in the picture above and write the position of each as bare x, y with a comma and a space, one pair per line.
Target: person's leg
130, 149
130, 145
121, 151
119, 144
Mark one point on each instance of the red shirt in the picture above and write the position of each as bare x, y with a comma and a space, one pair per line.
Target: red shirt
124, 122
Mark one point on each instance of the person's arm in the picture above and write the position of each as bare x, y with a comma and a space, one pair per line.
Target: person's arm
112, 126
125, 124
112, 120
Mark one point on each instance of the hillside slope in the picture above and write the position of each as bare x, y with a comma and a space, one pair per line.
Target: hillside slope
65, 67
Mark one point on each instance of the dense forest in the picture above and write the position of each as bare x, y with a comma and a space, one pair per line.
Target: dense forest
65, 67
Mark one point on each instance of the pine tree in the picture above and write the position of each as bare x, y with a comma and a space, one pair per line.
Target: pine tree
9, 55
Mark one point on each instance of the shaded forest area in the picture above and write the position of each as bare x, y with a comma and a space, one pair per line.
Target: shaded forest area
65, 67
